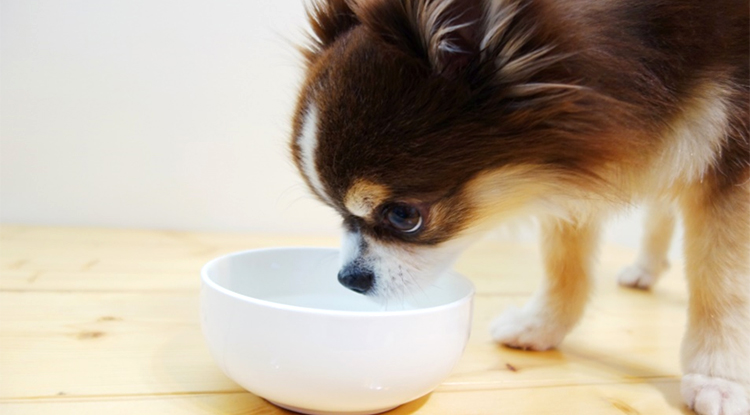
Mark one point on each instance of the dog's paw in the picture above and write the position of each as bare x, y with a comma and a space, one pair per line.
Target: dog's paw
523, 330
638, 276
707, 395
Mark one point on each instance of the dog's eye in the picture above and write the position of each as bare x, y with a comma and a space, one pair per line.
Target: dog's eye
403, 217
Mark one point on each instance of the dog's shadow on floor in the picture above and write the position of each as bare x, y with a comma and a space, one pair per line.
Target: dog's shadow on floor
671, 393
631, 372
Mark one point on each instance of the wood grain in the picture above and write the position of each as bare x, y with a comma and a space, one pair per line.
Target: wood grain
106, 321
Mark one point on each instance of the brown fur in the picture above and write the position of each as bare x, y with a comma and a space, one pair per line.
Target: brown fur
477, 111
374, 60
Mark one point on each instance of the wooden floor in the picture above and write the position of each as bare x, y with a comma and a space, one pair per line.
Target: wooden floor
106, 322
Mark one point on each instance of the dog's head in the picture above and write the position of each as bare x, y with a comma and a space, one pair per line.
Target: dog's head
421, 121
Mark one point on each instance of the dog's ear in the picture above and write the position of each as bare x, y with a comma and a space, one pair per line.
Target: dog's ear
446, 33
452, 32
329, 19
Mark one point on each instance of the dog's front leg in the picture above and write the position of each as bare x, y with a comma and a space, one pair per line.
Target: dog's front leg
568, 249
716, 347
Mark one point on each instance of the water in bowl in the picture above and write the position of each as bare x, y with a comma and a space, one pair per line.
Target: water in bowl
354, 302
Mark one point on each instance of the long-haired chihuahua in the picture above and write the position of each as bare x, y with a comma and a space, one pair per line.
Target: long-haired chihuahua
425, 123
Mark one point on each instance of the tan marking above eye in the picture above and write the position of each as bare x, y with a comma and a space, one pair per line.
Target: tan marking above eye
364, 196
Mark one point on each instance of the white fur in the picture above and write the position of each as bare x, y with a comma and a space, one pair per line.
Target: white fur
308, 145
401, 269
350, 247
714, 396
528, 328
639, 276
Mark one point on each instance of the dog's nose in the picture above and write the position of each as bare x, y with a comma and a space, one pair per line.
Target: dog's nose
357, 279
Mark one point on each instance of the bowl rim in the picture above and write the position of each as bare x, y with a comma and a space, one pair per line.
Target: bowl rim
208, 282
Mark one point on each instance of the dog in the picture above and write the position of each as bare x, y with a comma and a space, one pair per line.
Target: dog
425, 123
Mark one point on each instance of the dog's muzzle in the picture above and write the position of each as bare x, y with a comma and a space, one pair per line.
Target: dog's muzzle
357, 278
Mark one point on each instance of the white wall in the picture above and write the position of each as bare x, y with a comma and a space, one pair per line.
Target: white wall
152, 113
157, 113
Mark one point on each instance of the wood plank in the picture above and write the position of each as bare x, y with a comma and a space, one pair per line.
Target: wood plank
90, 260
89, 344
657, 397
107, 320
97, 260
233, 403
130, 343
94, 259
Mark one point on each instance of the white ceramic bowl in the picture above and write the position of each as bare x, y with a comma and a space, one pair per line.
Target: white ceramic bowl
278, 323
